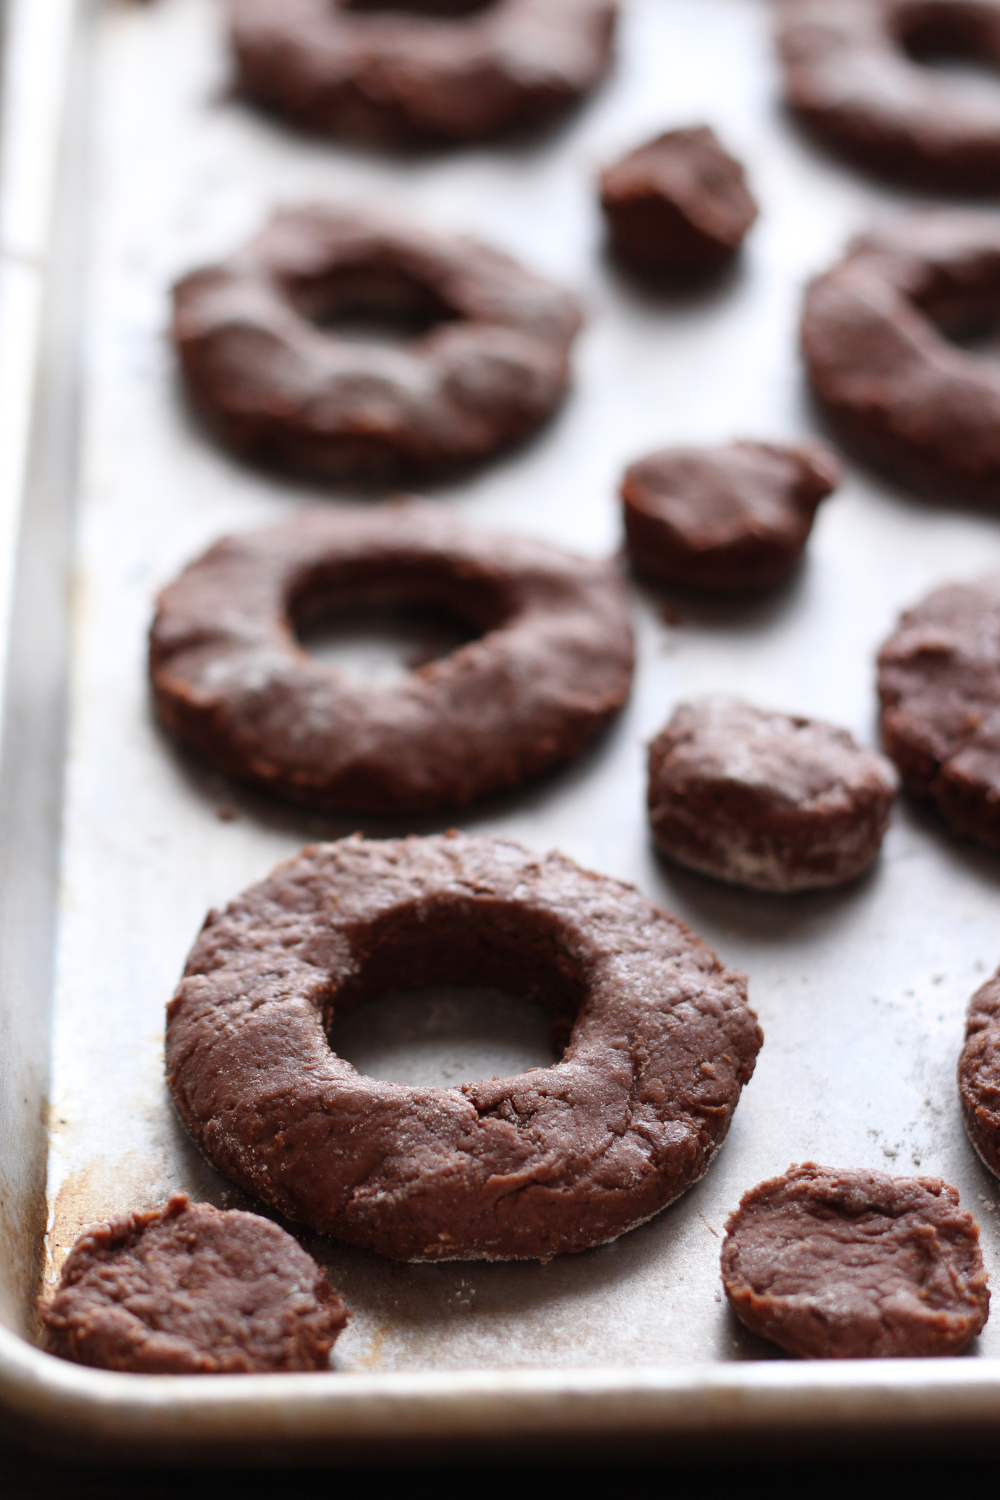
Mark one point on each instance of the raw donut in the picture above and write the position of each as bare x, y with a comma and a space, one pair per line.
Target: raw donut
660, 1043
487, 364
455, 71
896, 390
852, 74
552, 667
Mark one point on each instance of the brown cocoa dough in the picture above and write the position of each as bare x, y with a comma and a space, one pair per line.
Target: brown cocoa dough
939, 684
552, 667
853, 75
678, 205
855, 1264
726, 520
765, 800
979, 1073
421, 70
659, 1041
189, 1290
896, 391
487, 363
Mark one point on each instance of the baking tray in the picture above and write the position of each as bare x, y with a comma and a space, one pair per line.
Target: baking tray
126, 163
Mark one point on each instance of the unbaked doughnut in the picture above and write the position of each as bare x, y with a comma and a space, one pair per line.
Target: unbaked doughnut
552, 666
896, 390
487, 364
853, 75
659, 1041
452, 70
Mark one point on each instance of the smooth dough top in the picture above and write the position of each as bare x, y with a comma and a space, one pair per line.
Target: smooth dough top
855, 1264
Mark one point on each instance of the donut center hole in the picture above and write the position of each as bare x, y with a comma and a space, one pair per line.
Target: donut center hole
370, 305
453, 991
969, 321
961, 45
442, 1037
377, 621
438, 9
980, 337
381, 645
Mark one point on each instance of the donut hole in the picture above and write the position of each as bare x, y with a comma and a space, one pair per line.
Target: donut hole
967, 315
445, 1036
380, 622
380, 645
962, 43
436, 9
456, 991
977, 336
369, 304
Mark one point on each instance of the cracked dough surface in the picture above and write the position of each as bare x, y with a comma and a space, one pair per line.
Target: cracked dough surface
855, 1264
659, 1041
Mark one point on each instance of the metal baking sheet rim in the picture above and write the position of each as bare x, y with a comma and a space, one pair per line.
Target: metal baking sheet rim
454, 1413
48, 1403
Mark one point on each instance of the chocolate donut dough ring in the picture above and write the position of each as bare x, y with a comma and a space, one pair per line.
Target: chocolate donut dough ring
553, 667
852, 75
660, 1043
256, 335
896, 391
448, 72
